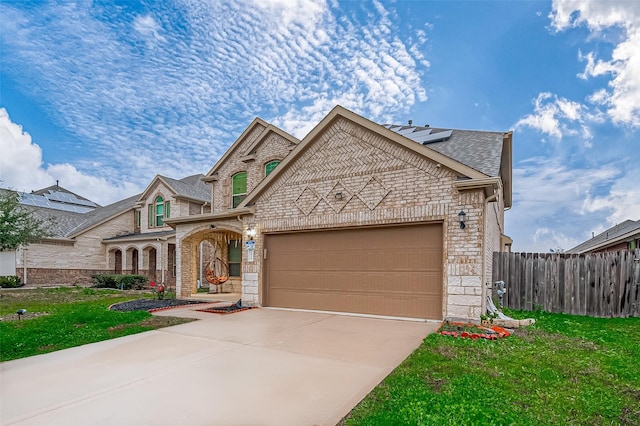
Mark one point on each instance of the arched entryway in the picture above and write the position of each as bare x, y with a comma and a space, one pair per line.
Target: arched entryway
150, 263
211, 252
115, 261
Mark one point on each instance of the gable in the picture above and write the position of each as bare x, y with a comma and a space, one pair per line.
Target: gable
157, 187
351, 123
352, 170
258, 145
245, 148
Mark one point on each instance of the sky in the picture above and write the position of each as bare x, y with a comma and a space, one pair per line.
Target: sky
104, 95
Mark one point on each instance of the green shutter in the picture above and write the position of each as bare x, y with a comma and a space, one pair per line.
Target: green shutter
151, 216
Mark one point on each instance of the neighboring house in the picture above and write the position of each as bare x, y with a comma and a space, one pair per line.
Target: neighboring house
624, 236
128, 236
357, 217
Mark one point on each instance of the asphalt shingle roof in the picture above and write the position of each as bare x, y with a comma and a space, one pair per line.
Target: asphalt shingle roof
479, 150
145, 235
191, 187
100, 214
610, 234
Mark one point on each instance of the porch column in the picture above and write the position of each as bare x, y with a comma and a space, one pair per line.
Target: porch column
123, 261
140, 259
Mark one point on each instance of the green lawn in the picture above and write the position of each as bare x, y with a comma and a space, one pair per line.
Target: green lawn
66, 317
564, 370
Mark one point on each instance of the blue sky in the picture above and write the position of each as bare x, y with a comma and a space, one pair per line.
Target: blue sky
105, 95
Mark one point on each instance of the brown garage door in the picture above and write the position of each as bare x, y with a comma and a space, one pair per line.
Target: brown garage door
393, 271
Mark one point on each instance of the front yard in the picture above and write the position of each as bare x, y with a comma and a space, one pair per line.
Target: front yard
65, 317
564, 370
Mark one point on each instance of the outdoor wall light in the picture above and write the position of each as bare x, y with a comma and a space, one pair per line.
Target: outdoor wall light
461, 217
251, 232
338, 195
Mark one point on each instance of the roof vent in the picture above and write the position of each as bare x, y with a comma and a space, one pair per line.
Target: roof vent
410, 122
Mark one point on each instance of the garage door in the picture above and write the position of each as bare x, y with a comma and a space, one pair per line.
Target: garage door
393, 271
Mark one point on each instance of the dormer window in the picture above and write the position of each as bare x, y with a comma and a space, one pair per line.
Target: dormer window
158, 212
239, 188
268, 168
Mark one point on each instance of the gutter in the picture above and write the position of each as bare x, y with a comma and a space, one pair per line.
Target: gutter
207, 217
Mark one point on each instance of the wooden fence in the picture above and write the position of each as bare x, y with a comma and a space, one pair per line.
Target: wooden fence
598, 284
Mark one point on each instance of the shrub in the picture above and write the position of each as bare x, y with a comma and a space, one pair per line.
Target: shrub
134, 282
10, 281
125, 282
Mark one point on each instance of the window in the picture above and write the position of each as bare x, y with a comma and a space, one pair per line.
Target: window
138, 218
235, 258
159, 211
268, 168
239, 188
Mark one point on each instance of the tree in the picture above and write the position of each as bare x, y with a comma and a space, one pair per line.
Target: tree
18, 226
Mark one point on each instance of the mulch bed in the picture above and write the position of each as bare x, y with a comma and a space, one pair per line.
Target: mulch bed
152, 305
473, 331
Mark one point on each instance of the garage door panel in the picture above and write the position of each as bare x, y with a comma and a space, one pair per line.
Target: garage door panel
401, 282
384, 271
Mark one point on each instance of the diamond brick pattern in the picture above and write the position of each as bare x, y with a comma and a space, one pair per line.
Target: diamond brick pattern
307, 201
336, 202
372, 193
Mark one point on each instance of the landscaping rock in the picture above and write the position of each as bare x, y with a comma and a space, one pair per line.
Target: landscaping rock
149, 304
513, 323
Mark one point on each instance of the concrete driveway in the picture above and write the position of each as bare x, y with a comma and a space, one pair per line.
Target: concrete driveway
257, 367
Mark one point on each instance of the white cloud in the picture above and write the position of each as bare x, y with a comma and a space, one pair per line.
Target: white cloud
214, 66
622, 202
558, 117
148, 27
21, 168
623, 67
554, 202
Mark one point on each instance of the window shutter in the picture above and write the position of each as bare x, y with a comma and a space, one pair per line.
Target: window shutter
151, 216
226, 194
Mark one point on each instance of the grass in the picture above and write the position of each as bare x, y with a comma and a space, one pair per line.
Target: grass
65, 317
564, 370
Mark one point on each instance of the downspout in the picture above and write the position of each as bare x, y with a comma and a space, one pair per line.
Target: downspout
200, 263
489, 199
24, 265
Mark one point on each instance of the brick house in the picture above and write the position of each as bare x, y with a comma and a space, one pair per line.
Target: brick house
356, 217
128, 236
623, 236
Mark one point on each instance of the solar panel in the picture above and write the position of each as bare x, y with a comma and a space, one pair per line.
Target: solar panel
437, 137
41, 201
420, 136
405, 131
69, 198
